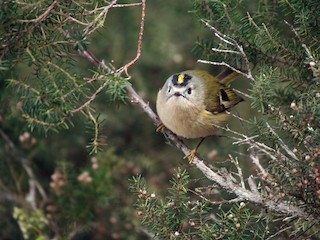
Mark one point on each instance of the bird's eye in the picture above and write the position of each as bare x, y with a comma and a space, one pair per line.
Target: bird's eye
169, 89
189, 90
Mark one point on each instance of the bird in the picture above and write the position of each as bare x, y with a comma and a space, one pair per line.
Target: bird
193, 103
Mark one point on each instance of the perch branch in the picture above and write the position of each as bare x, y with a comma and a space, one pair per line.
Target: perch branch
224, 181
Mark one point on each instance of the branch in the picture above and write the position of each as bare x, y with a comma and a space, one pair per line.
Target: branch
34, 184
229, 41
125, 67
224, 181
103, 15
276, 206
93, 59
236, 163
42, 16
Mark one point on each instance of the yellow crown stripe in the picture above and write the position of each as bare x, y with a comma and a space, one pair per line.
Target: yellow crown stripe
181, 78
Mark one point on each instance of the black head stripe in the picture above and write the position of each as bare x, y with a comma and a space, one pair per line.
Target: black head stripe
181, 79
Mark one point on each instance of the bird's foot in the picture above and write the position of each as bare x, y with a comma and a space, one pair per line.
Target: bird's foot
191, 155
160, 127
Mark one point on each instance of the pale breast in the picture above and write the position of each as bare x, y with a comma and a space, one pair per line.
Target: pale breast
186, 121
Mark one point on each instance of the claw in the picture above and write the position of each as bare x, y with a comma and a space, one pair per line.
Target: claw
160, 128
191, 155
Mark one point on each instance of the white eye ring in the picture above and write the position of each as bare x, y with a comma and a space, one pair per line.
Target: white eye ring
189, 91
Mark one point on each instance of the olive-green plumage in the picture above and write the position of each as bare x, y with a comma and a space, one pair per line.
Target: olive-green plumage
191, 103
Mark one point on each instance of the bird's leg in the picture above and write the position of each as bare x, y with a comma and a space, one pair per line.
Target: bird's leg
193, 153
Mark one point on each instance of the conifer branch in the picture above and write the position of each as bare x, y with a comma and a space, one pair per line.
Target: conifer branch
91, 98
224, 181
90, 29
95, 142
229, 41
42, 16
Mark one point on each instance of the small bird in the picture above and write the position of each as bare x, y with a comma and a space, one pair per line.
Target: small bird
192, 102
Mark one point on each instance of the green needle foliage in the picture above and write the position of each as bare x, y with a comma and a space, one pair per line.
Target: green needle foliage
61, 180
179, 217
280, 40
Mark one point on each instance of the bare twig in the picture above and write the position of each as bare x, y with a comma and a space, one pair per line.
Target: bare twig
293, 30
279, 232
225, 51
230, 201
253, 185
222, 64
242, 93
256, 161
90, 29
34, 184
91, 57
91, 98
236, 163
229, 41
42, 16
282, 144
127, 5
133, 61
237, 117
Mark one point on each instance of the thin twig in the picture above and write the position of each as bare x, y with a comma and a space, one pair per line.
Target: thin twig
42, 16
230, 201
223, 64
34, 184
230, 41
282, 144
242, 93
236, 163
256, 162
225, 51
92, 98
139, 48
103, 14
279, 232
253, 185
126, 5
237, 117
